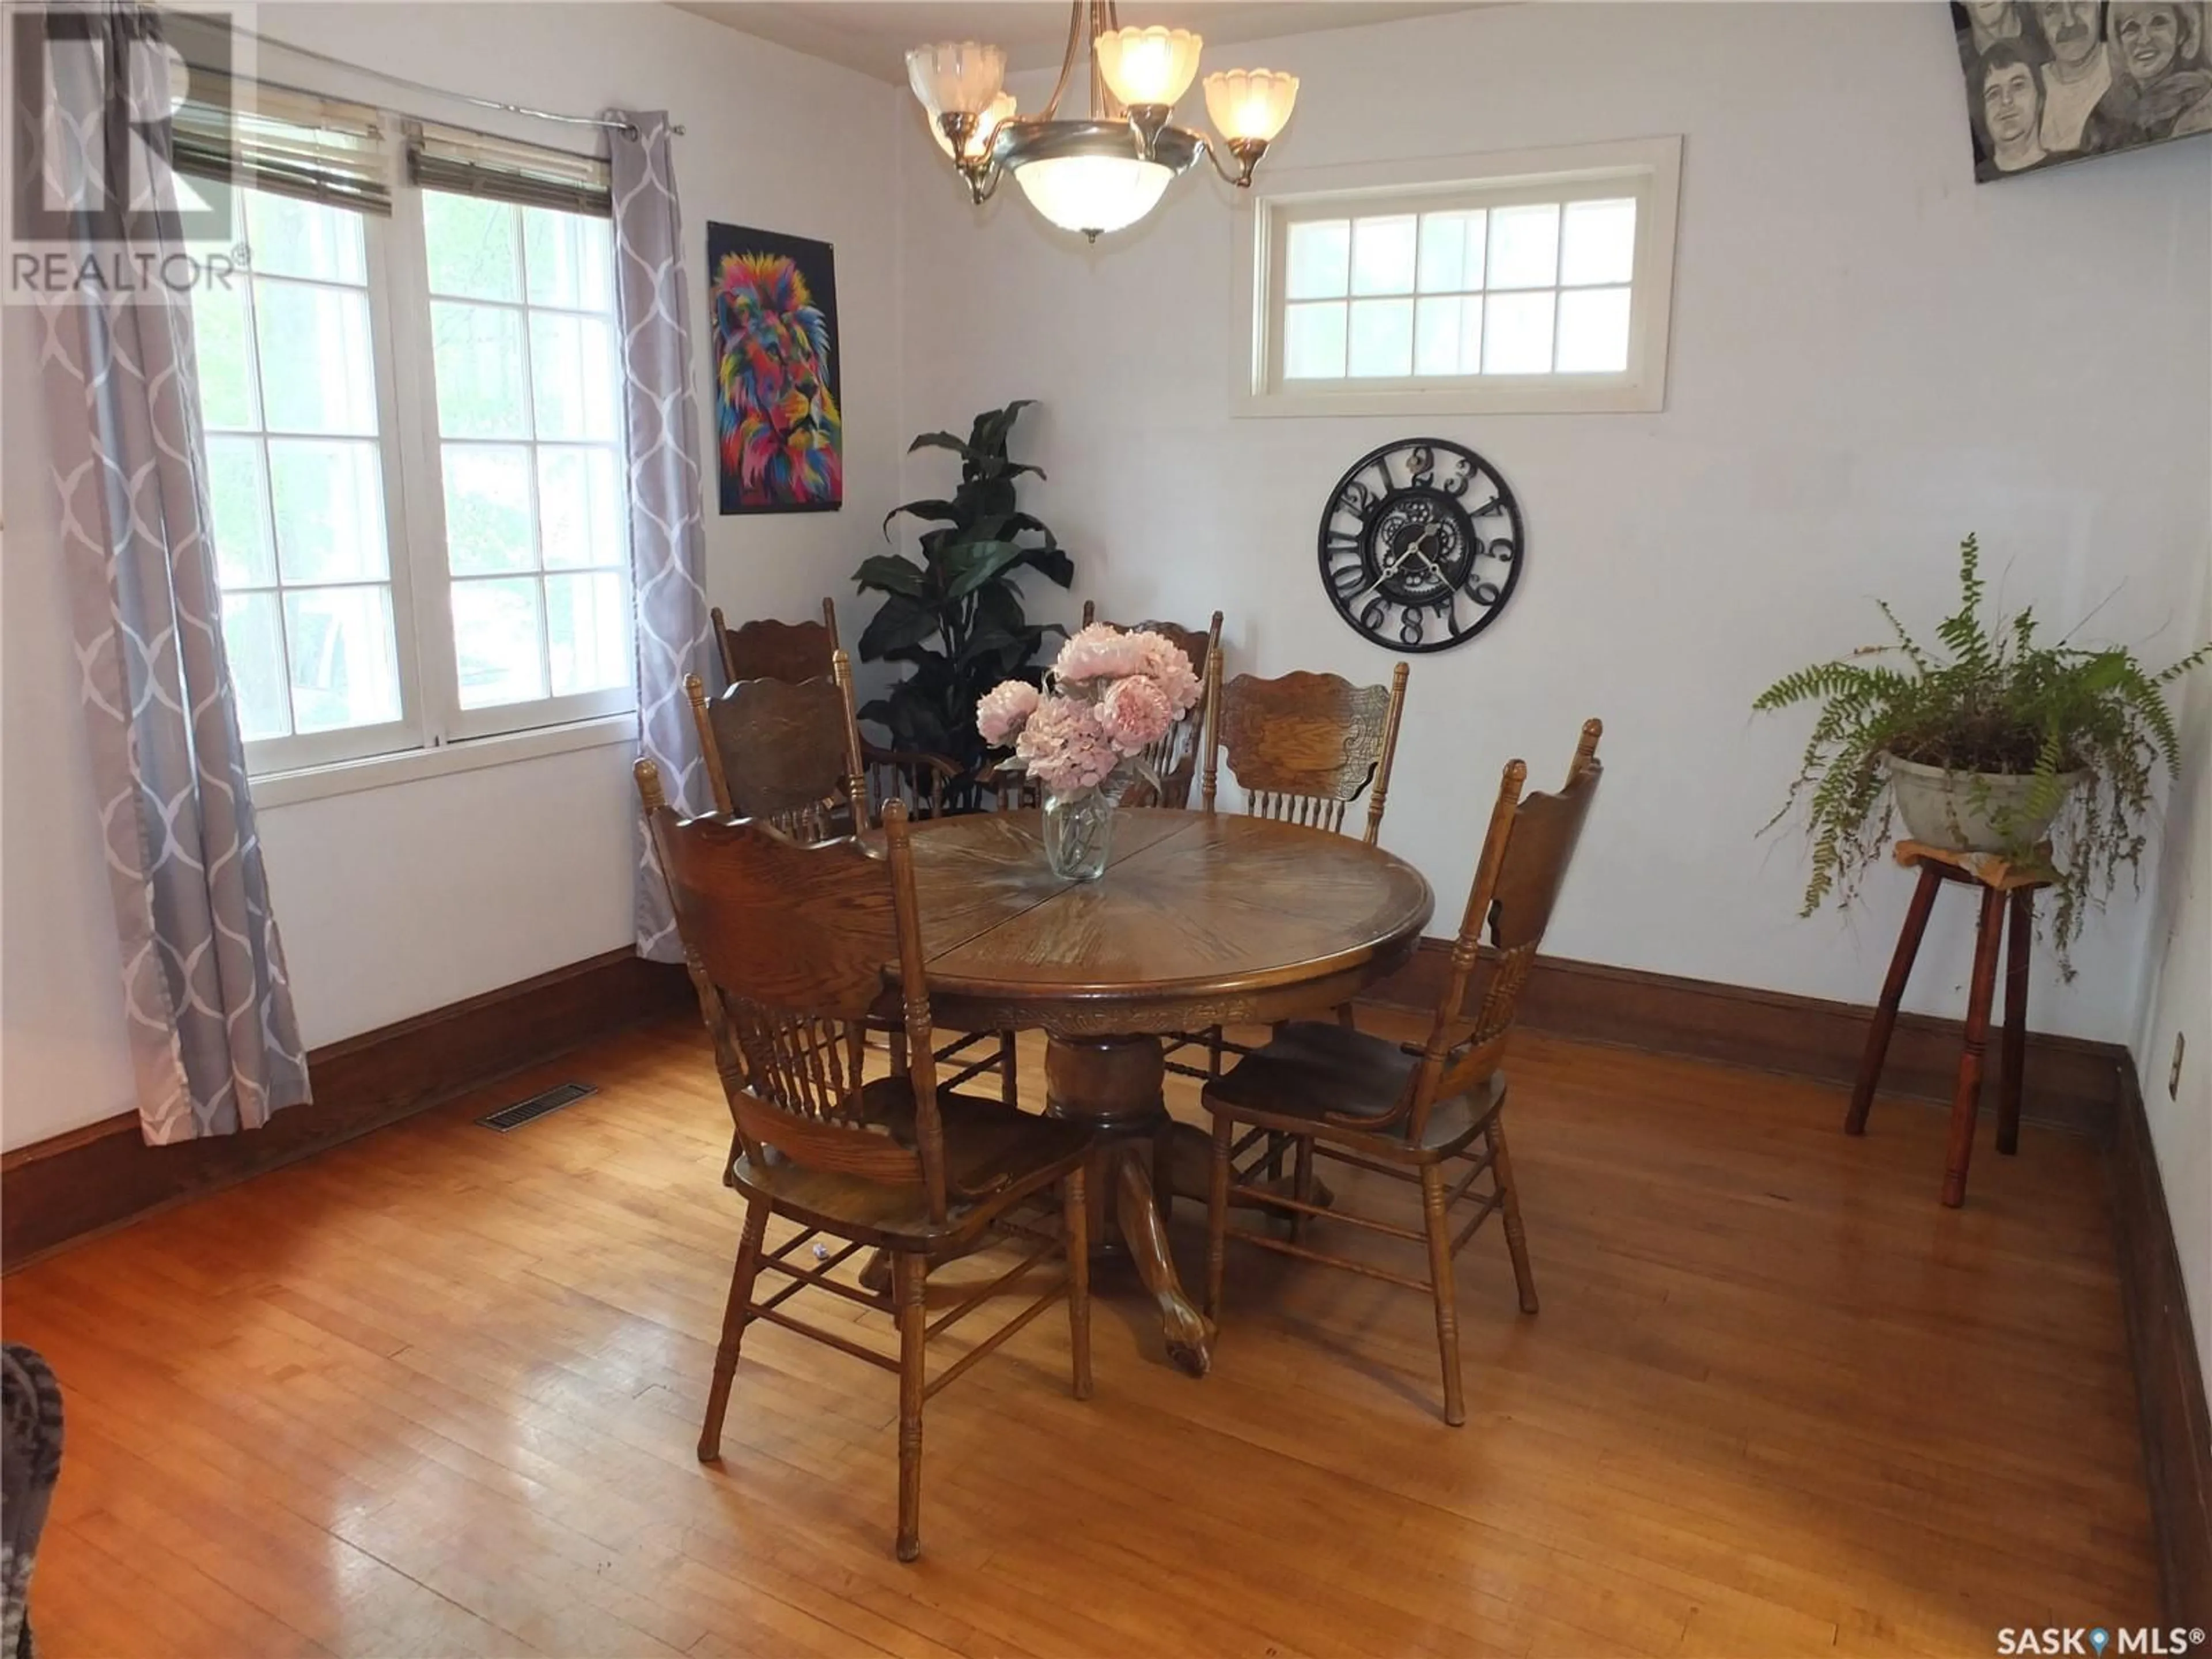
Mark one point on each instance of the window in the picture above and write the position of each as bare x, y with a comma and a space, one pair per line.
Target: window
300, 452
529, 455
1505, 283
413, 415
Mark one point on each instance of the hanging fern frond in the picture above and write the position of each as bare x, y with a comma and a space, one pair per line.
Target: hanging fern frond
2089, 727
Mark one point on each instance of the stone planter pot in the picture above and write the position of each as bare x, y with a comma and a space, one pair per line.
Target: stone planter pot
1945, 809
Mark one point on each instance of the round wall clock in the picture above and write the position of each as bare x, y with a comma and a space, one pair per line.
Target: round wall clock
1421, 543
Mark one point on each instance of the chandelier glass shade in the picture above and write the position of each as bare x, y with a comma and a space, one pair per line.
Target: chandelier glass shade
1148, 66
1106, 170
1001, 111
1093, 194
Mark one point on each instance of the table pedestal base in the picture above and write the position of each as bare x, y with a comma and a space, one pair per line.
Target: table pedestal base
1144, 1160
1113, 1085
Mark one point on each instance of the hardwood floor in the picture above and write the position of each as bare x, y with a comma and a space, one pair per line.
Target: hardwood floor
437, 1393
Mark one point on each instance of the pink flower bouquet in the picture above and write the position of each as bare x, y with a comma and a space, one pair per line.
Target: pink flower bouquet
1108, 696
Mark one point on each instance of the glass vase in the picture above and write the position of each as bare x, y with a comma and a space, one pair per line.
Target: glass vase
1078, 832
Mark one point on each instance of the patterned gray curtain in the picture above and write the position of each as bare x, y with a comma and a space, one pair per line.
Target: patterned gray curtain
214, 1043
666, 539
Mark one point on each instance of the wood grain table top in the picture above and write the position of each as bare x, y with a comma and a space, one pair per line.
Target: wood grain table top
1196, 912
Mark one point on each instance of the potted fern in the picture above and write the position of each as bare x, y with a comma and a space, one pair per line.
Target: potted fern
1990, 743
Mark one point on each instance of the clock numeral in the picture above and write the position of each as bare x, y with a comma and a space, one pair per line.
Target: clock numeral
1404, 558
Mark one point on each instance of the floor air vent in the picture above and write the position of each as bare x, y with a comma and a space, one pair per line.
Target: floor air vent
525, 1111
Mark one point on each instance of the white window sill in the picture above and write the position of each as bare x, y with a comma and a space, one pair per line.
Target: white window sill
413, 765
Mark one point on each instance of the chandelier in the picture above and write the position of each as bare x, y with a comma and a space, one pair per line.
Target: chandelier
1108, 170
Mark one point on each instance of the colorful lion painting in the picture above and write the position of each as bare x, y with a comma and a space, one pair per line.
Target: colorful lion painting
780, 437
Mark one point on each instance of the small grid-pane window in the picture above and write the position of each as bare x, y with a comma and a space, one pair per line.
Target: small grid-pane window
288, 389
1524, 288
530, 445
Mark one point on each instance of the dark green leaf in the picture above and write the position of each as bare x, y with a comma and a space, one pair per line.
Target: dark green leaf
1020, 522
938, 441
999, 605
890, 573
977, 563
936, 510
900, 622
993, 427
1051, 563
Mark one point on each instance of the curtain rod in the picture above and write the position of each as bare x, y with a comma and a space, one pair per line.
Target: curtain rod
440, 91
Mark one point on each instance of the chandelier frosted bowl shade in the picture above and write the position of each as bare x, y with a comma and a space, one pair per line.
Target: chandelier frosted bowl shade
1107, 167
1150, 67
956, 76
1002, 109
1093, 194
1250, 105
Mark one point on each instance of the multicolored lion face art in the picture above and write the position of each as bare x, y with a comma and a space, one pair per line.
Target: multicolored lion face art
781, 436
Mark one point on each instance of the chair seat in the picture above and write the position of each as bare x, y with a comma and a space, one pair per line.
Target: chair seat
993, 1155
1309, 1071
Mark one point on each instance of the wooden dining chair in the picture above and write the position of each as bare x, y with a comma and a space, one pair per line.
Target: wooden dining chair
791, 947
769, 650
784, 752
1303, 748
790, 753
1174, 758
922, 783
1432, 1115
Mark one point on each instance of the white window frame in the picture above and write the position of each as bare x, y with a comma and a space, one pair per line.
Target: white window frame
1648, 170
303, 766
266, 755
422, 468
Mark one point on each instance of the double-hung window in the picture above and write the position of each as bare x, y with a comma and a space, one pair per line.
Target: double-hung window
1515, 283
412, 402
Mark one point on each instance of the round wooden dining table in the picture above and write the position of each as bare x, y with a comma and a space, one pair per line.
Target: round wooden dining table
1201, 919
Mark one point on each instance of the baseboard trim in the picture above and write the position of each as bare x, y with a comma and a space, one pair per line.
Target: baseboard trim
2070, 1083
2176, 1427
99, 1176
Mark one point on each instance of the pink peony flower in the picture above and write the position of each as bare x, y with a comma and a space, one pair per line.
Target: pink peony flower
1001, 712
1168, 667
1098, 652
1063, 746
1135, 713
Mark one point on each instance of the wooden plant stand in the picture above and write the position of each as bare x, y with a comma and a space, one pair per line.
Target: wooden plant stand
2005, 887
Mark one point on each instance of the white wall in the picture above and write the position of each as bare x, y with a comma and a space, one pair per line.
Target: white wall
2179, 996
1872, 355
410, 897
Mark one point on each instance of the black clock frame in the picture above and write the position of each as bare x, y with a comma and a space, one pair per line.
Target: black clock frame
1478, 468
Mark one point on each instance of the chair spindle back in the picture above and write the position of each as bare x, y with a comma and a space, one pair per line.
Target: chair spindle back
786, 752
1304, 746
768, 650
1525, 855
787, 945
